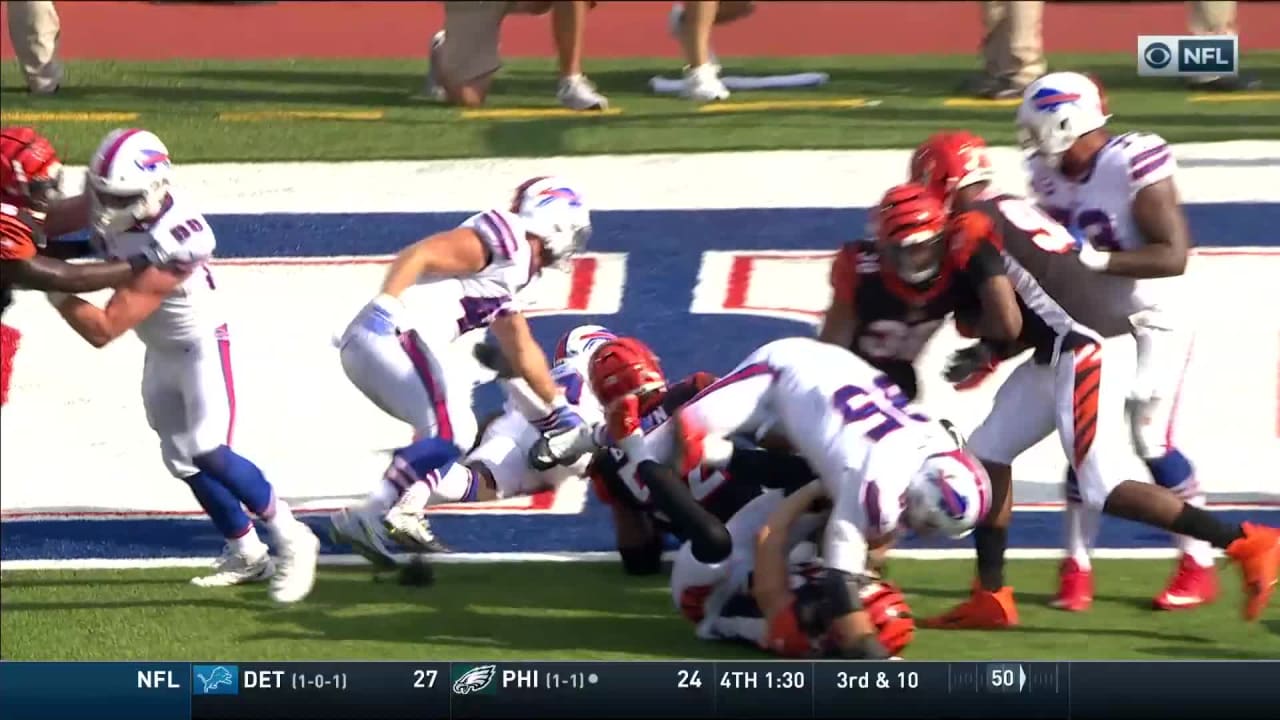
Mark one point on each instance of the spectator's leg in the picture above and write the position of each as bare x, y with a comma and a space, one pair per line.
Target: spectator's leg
1217, 18
464, 63
1026, 44
34, 29
701, 77
568, 29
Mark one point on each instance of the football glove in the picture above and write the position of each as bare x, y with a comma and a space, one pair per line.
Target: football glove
969, 366
895, 626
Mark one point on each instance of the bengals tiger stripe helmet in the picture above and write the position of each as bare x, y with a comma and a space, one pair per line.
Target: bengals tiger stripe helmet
623, 367
909, 225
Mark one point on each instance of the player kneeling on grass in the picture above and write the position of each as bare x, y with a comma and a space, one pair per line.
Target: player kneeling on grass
187, 389
437, 290
766, 593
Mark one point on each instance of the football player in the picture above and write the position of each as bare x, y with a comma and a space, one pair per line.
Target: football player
1064, 385
769, 594
187, 387
31, 205
500, 465
692, 506
891, 294
882, 463
1117, 196
438, 289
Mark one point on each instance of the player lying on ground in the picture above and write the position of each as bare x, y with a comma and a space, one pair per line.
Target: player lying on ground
774, 594
499, 466
1064, 386
187, 387
438, 289
893, 292
882, 462
32, 209
693, 506
1118, 197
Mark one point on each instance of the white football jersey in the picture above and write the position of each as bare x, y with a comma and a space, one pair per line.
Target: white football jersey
1100, 208
442, 309
191, 312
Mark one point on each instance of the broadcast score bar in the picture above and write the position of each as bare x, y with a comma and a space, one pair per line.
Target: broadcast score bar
828, 689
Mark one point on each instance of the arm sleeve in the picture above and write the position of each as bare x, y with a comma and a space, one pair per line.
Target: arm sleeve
709, 537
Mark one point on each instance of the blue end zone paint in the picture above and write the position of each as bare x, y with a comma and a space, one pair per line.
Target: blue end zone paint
665, 249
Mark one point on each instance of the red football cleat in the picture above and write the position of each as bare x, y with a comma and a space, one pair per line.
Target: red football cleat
1075, 587
1191, 586
984, 610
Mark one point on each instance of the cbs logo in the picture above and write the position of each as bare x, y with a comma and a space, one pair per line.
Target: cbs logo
1157, 56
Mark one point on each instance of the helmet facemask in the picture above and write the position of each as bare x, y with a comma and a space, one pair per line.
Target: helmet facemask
918, 257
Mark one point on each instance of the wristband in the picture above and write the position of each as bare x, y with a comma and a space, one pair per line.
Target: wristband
1094, 259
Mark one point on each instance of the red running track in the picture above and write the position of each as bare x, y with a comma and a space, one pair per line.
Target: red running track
142, 31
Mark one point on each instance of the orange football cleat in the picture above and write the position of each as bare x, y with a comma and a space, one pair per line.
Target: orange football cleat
1191, 586
1075, 587
984, 610
1258, 554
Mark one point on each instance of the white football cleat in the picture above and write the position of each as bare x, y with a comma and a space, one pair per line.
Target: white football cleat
357, 528
702, 84
578, 93
233, 568
412, 530
296, 568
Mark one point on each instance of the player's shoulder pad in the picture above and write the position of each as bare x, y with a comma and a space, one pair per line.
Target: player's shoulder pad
502, 232
1142, 158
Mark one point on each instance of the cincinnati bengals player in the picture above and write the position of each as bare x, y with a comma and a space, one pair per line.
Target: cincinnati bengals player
892, 293
1065, 386
31, 200
647, 499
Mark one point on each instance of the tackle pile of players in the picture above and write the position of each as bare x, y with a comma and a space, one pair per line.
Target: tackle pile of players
788, 478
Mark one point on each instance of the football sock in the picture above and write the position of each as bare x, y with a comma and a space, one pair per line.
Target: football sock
417, 470
1081, 524
457, 484
240, 476
1082, 529
1174, 471
221, 506
1200, 523
990, 543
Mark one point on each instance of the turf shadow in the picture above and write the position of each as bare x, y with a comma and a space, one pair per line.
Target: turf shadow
1183, 652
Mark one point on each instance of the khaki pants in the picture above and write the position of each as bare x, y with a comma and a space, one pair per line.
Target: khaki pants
471, 31
34, 29
1212, 18
1012, 47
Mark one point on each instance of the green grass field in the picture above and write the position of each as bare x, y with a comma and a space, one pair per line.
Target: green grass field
557, 611
182, 101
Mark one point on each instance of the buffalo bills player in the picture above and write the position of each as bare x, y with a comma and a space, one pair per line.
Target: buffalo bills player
891, 294
1069, 384
770, 594
187, 388
438, 289
1118, 197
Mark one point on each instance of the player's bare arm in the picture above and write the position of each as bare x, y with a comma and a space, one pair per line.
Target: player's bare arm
129, 306
512, 332
976, 246
67, 215
1159, 215
770, 583
451, 253
841, 318
54, 275
1001, 320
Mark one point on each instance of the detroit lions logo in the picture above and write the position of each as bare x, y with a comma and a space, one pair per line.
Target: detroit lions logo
1050, 99
149, 160
216, 678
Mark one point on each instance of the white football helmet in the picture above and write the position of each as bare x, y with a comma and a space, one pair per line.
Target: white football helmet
1056, 110
554, 211
128, 179
582, 340
950, 493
